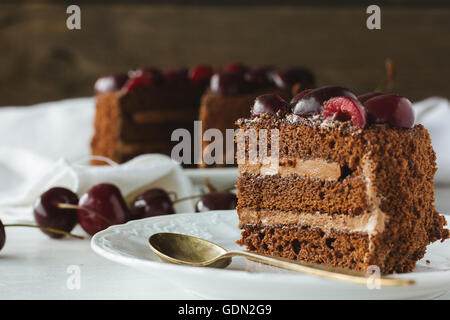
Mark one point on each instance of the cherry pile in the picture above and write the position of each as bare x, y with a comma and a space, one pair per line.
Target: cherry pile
233, 79
338, 103
237, 78
150, 77
58, 210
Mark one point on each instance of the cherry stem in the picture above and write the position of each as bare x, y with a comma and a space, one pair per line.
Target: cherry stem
44, 228
187, 198
199, 195
173, 194
210, 187
74, 206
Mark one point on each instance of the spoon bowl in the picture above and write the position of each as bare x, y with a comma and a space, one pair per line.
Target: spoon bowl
188, 250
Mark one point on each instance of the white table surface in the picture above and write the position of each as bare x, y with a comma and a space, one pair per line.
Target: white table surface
33, 266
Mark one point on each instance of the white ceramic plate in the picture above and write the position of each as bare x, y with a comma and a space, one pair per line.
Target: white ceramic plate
128, 244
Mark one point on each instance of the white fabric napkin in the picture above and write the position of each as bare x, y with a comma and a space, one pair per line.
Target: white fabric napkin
154, 170
51, 130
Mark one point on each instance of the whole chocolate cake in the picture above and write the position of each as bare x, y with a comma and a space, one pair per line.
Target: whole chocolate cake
351, 184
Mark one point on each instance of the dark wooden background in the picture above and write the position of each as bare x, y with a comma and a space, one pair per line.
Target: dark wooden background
41, 60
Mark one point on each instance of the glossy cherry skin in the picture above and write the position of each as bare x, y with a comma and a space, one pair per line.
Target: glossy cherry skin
229, 83
150, 203
110, 83
201, 74
236, 67
345, 108
154, 73
48, 214
107, 200
287, 78
369, 95
299, 96
312, 102
2, 235
393, 109
142, 81
216, 201
268, 103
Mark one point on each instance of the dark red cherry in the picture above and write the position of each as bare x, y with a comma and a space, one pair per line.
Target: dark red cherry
110, 83
229, 83
150, 203
48, 214
369, 95
312, 102
2, 235
201, 74
142, 81
154, 73
268, 103
299, 96
345, 108
236, 67
107, 201
393, 109
216, 201
287, 78
177, 76
259, 78
155, 76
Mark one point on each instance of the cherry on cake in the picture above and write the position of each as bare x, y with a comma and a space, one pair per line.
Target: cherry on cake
352, 185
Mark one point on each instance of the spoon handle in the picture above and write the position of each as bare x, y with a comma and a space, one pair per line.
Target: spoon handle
333, 273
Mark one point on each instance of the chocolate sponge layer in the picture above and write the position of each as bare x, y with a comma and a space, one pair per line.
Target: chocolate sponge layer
303, 194
309, 244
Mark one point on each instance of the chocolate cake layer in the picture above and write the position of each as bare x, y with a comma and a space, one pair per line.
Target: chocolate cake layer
305, 194
150, 132
309, 244
165, 97
344, 145
107, 120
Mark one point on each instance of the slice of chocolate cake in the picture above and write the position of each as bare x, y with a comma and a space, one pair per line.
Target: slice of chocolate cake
234, 88
137, 113
350, 184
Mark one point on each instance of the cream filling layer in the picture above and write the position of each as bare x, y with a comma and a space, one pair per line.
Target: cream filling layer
374, 199
317, 168
370, 222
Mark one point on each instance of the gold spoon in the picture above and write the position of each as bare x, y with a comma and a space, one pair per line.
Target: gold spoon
192, 251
